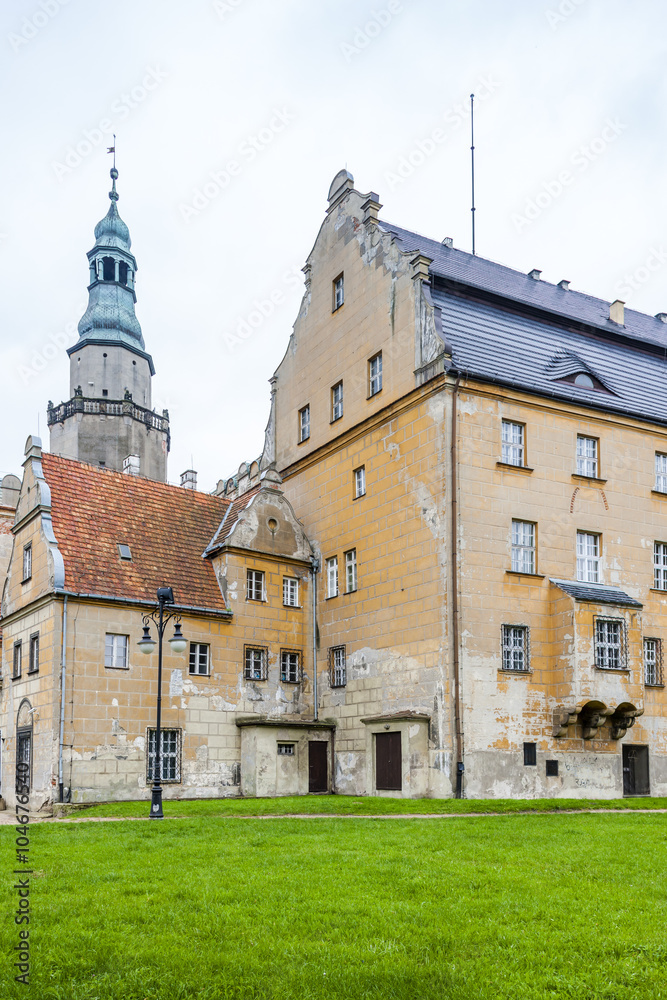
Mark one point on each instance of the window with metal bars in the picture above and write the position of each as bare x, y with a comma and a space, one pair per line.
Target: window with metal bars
587, 456
255, 659
610, 644
199, 658
523, 547
290, 661
588, 557
516, 649
660, 472
660, 565
513, 443
653, 662
337, 666
170, 755
255, 585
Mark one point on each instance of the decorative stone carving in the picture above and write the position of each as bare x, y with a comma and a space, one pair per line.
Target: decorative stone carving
562, 718
624, 719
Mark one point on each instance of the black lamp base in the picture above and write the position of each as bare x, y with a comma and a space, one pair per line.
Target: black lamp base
156, 803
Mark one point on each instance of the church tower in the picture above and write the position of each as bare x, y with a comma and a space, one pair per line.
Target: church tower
108, 419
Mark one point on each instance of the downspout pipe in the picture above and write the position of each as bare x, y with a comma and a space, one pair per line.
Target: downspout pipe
63, 672
315, 566
455, 597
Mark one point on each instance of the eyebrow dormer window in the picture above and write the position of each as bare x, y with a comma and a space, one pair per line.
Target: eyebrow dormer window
584, 381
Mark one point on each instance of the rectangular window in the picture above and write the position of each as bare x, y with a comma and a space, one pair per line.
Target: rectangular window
653, 662
515, 647
588, 557
16, 664
513, 443
375, 374
170, 755
255, 585
350, 571
660, 472
338, 292
27, 562
523, 547
115, 650
289, 666
285, 749
530, 754
660, 565
332, 577
609, 645
290, 592
337, 402
255, 663
304, 423
552, 768
360, 482
33, 664
337, 666
587, 456
199, 658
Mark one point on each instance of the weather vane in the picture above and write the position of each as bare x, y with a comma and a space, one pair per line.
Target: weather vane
112, 149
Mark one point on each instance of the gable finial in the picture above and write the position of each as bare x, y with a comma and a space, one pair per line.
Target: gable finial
113, 194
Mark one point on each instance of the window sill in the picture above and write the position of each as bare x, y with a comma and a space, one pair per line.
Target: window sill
32, 673
294, 607
515, 468
657, 590
27, 579
613, 670
360, 497
578, 478
256, 600
111, 666
337, 308
303, 440
373, 395
335, 420
511, 673
330, 597
517, 572
191, 673
654, 685
256, 680
284, 681
17, 678
659, 493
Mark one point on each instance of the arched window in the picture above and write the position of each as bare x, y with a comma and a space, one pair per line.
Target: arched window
122, 272
584, 381
109, 272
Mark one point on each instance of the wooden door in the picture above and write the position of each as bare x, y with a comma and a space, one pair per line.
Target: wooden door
318, 771
388, 766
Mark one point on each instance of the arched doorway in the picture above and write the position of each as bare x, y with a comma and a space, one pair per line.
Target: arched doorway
24, 748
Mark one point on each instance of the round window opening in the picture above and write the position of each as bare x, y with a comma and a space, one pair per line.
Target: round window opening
273, 525
584, 381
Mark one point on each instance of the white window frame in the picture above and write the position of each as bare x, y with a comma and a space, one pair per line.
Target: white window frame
588, 557
332, 576
652, 662
587, 456
338, 666
350, 571
337, 401
523, 547
660, 565
290, 666
513, 443
375, 374
516, 649
360, 482
255, 585
290, 591
199, 657
27, 562
253, 664
338, 292
170, 755
610, 644
116, 651
304, 423
660, 472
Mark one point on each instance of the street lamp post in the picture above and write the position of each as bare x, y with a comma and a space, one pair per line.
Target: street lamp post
160, 619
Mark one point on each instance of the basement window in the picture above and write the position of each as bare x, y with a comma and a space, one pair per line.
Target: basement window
530, 754
170, 755
124, 551
552, 768
285, 749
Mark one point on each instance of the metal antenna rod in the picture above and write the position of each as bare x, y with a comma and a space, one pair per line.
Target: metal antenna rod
472, 161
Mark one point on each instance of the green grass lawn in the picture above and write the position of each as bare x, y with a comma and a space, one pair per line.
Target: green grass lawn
537, 906
349, 805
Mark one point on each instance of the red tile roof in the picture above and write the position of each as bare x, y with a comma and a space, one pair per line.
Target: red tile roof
166, 527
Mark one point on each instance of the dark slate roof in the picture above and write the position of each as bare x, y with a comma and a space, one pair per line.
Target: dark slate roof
476, 272
596, 593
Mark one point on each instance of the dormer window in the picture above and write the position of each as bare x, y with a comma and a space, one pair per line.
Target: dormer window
108, 269
584, 381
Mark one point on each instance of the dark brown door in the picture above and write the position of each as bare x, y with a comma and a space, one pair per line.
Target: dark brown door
635, 771
317, 766
388, 762
23, 759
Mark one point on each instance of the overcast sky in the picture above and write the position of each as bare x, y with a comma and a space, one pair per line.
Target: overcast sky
571, 146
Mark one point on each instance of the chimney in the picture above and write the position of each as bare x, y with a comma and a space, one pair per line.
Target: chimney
189, 479
132, 465
448, 241
535, 273
565, 285
617, 312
